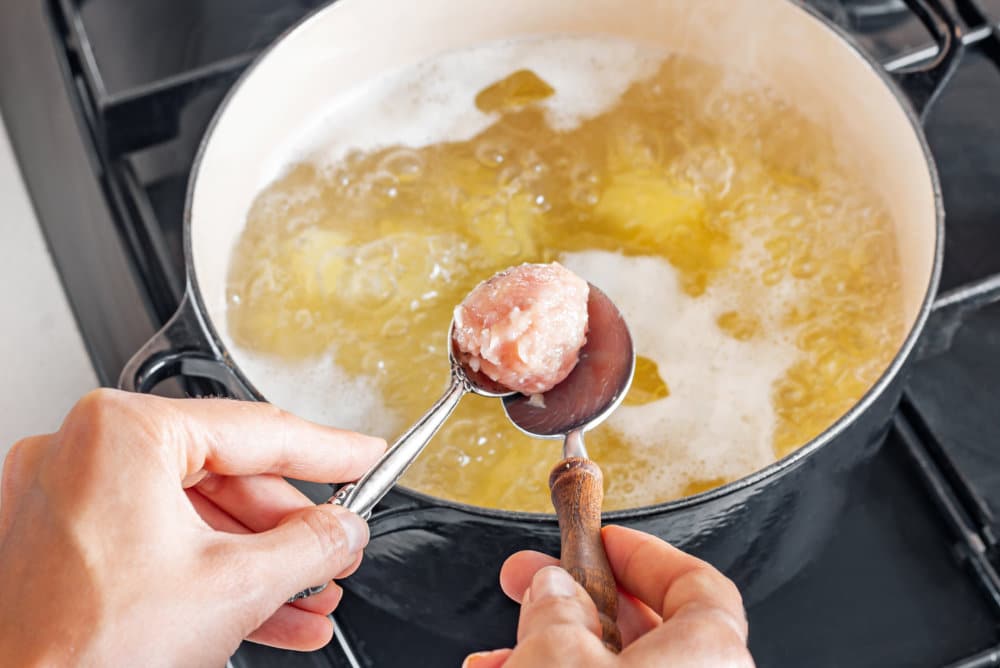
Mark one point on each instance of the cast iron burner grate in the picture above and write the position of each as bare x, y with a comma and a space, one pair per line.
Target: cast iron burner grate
129, 89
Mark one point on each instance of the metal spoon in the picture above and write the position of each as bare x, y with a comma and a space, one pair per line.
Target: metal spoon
362, 496
592, 391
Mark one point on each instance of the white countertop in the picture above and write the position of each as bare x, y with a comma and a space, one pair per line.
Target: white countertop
46, 367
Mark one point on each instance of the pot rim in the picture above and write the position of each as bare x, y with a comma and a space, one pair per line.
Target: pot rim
778, 467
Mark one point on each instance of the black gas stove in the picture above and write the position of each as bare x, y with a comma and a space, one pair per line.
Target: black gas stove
107, 100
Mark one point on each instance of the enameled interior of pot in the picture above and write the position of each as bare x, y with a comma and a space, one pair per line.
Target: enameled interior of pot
354, 41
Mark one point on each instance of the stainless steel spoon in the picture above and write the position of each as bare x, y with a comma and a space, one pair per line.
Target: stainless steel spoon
362, 496
592, 391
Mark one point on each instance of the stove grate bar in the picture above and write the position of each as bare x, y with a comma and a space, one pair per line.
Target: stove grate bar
146, 115
974, 503
947, 495
973, 15
989, 658
158, 104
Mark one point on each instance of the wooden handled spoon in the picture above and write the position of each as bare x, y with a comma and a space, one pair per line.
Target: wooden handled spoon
596, 386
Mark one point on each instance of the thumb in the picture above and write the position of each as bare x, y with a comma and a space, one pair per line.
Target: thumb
555, 599
559, 625
307, 548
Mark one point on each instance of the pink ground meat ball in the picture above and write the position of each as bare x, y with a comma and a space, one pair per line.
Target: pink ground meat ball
524, 327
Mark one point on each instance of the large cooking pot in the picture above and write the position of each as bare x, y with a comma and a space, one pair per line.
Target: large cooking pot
435, 562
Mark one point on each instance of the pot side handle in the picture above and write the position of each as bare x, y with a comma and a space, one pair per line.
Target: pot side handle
950, 310
923, 84
181, 348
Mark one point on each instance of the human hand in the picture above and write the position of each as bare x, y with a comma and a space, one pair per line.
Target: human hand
673, 610
155, 531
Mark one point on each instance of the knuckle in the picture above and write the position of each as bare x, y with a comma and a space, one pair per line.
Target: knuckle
709, 583
731, 590
96, 401
21, 447
277, 413
727, 594
559, 611
96, 411
712, 631
705, 578
19, 458
102, 417
564, 645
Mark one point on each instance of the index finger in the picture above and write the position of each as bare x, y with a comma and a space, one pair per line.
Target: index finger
245, 438
667, 579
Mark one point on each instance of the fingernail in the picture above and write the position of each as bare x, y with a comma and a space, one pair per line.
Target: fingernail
355, 528
552, 582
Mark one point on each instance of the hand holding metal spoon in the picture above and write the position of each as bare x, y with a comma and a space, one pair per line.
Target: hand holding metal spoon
362, 496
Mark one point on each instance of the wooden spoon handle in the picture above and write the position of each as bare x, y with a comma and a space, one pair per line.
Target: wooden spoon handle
577, 494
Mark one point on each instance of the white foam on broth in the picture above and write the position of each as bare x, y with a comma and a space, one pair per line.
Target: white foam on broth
433, 101
718, 421
318, 390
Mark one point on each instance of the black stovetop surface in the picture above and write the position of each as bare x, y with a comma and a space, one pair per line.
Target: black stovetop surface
106, 101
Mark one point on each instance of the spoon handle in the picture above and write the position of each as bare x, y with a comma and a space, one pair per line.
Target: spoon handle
577, 494
361, 496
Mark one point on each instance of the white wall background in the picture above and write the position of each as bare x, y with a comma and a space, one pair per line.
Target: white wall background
43, 365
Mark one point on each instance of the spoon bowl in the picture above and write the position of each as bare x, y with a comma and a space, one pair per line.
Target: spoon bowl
476, 382
595, 387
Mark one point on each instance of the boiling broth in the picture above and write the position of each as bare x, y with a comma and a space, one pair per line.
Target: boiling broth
758, 275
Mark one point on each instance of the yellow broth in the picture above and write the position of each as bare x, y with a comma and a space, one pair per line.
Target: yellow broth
740, 194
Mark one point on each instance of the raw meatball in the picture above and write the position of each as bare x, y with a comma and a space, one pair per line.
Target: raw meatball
524, 327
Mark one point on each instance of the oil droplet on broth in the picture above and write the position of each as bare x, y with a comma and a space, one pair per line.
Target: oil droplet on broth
365, 259
517, 90
700, 486
740, 326
647, 384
